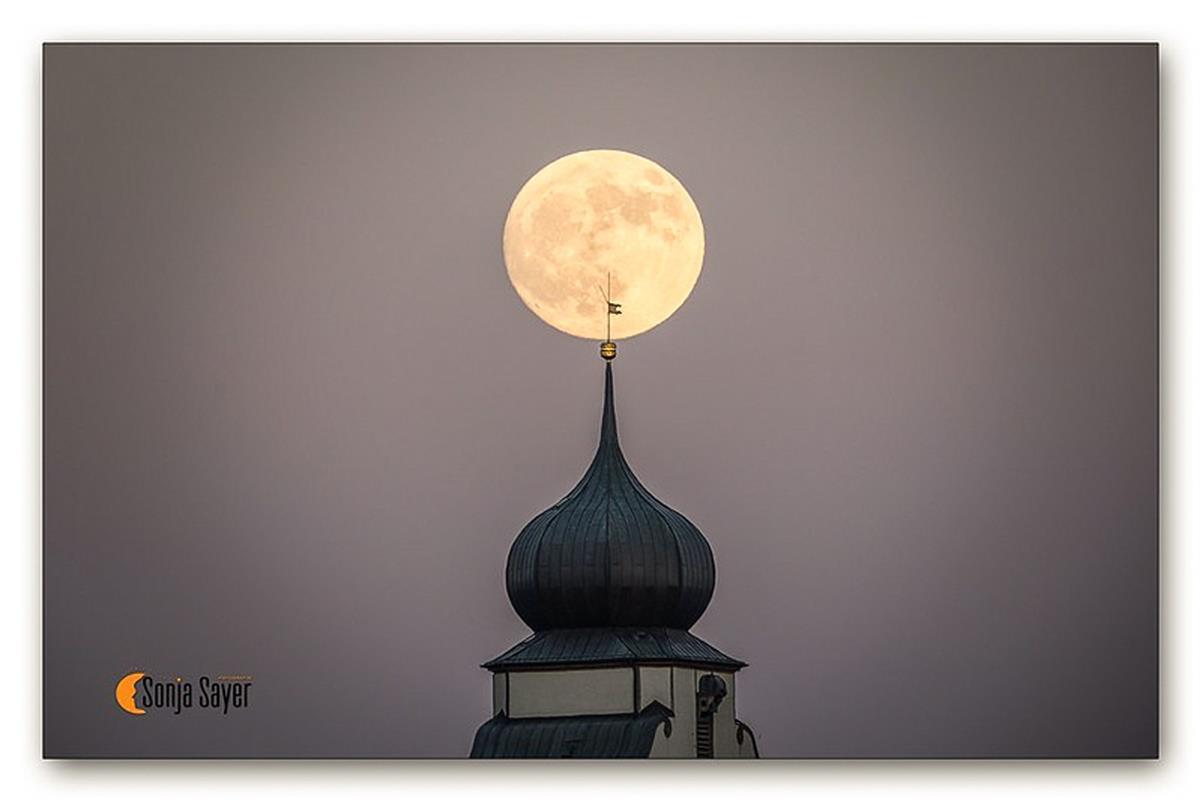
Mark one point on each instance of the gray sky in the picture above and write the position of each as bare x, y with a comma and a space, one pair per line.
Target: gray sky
295, 414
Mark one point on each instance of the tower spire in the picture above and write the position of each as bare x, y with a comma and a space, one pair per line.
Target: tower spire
608, 418
610, 554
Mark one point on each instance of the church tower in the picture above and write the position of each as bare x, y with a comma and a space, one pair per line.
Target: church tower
610, 579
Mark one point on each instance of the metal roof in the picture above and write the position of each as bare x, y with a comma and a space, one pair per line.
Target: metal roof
595, 736
610, 553
598, 646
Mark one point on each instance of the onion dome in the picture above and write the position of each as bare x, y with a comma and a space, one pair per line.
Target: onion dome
610, 554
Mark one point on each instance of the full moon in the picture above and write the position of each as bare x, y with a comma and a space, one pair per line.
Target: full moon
597, 214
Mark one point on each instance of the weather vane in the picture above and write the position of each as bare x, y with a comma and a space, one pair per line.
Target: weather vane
608, 348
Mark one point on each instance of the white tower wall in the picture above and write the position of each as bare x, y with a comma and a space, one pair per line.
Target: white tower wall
626, 690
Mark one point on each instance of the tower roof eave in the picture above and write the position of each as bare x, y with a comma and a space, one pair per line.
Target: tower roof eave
595, 647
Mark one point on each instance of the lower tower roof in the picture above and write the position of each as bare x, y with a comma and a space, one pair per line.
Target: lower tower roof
598, 736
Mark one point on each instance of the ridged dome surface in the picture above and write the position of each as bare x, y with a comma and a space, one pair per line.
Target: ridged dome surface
610, 554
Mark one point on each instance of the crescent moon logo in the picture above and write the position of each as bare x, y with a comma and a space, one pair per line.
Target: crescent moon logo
127, 690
